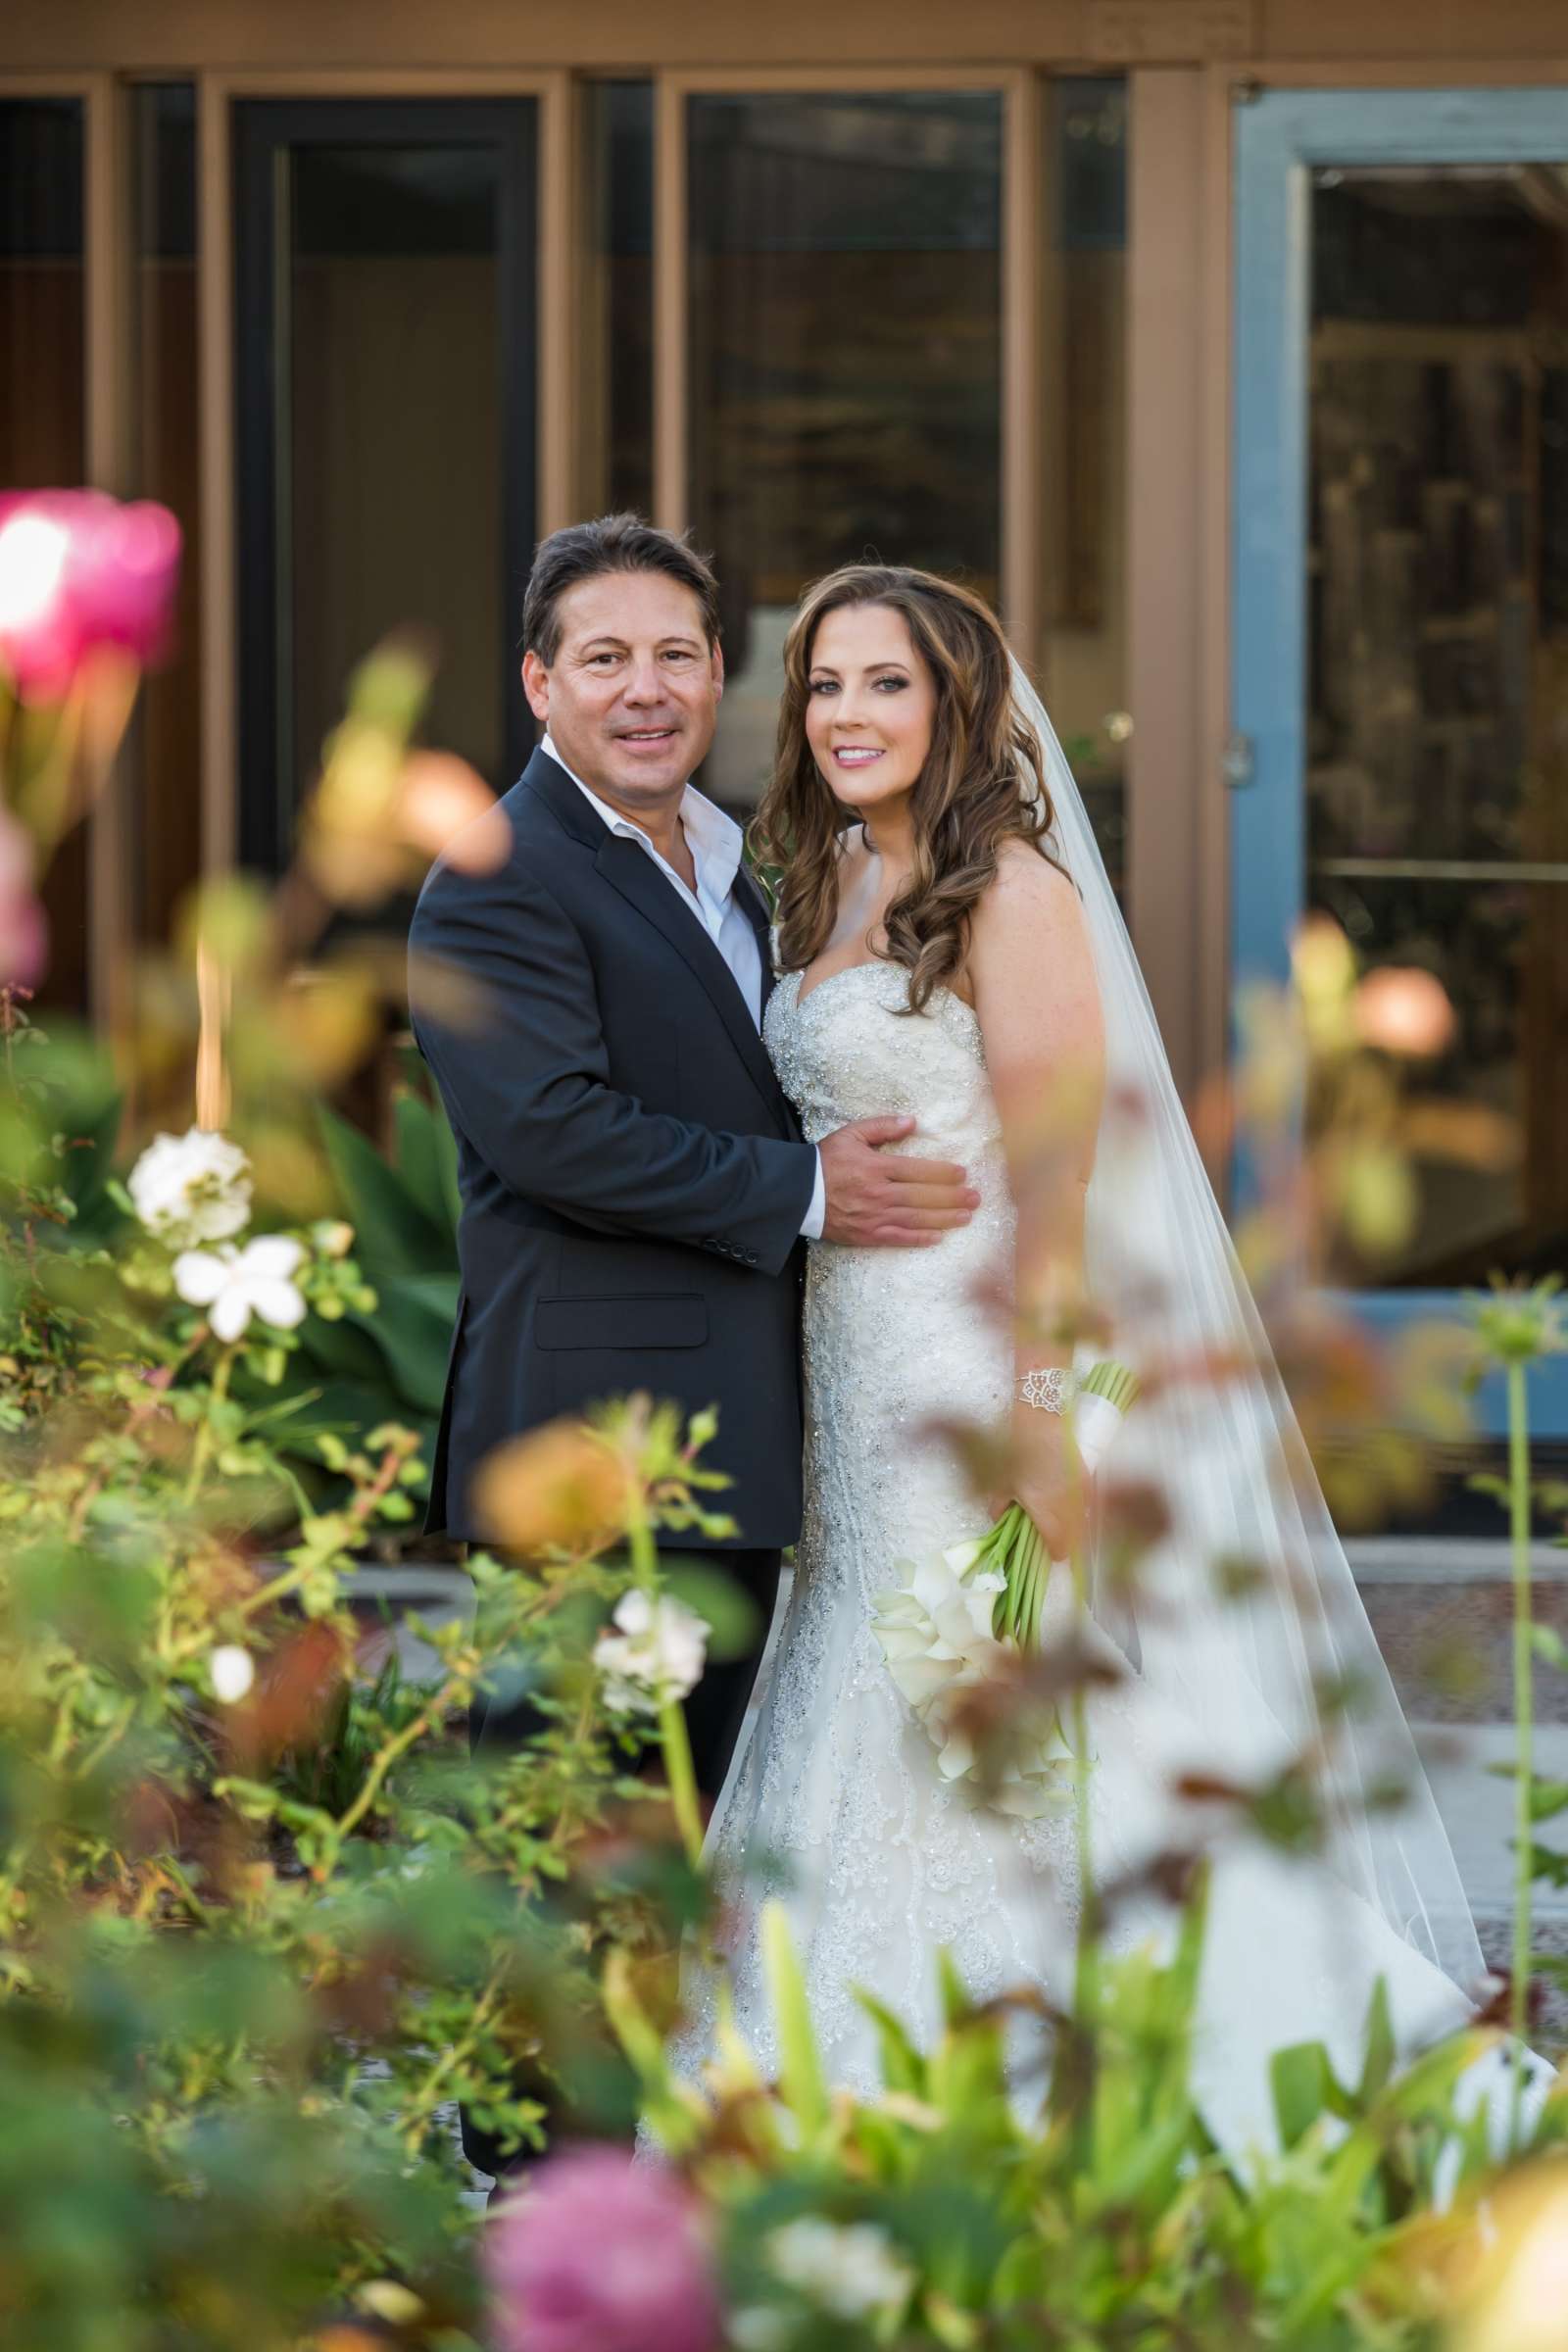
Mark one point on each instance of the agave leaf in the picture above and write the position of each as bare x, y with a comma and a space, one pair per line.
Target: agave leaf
1378, 2066
904, 2065
392, 1233
968, 2076
956, 2006
1301, 2080
801, 2076
422, 1155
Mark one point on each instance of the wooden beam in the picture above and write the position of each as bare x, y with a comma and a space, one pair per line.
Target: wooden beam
1167, 527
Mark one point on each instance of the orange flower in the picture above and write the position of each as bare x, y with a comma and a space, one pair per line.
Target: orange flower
559, 1486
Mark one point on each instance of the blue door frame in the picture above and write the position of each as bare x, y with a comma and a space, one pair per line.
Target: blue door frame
1280, 137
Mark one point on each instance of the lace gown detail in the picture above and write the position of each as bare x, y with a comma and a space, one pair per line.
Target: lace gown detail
835, 1803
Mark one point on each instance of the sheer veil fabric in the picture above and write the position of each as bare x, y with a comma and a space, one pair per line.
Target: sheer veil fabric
1230, 1461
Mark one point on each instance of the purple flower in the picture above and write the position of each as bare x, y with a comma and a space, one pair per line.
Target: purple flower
597, 2254
78, 571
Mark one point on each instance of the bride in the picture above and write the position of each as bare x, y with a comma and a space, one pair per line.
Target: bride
949, 947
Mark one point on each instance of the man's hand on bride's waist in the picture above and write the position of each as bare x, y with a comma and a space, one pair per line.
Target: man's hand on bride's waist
886, 1199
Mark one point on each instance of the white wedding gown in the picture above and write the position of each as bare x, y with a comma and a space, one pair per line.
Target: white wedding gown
835, 1803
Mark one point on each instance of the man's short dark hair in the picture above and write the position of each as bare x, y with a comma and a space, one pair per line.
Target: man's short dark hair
587, 551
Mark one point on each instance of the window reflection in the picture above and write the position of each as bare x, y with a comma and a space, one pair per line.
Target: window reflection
1086, 425
844, 357
1438, 756
618, 376
42, 401
165, 845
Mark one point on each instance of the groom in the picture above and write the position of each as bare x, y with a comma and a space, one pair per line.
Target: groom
636, 1194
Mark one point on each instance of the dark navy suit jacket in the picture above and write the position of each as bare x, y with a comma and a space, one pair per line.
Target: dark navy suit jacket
633, 1179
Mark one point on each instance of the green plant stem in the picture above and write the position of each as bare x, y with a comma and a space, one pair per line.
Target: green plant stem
682, 1778
1524, 1726
204, 1436
674, 1738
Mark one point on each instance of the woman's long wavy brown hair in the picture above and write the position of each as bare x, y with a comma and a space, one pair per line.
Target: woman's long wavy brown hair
970, 798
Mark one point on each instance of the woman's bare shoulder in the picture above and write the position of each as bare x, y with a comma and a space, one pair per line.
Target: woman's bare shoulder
1026, 888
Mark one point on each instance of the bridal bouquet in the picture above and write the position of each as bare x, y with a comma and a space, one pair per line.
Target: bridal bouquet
950, 1623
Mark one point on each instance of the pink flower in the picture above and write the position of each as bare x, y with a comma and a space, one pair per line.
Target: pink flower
78, 571
23, 928
597, 2254
1405, 1010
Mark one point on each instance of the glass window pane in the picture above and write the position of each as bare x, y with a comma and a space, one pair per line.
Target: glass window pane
1437, 759
1086, 408
44, 399
617, 311
394, 513
844, 358
166, 834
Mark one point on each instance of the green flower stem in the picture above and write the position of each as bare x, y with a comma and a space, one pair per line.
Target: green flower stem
204, 1436
679, 1771
1524, 1722
682, 1778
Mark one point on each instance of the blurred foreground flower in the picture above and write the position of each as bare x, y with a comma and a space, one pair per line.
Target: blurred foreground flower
1405, 1010
559, 1484
24, 926
236, 1284
851, 2269
194, 1186
79, 571
598, 2254
381, 811
233, 1671
1515, 2297
655, 1656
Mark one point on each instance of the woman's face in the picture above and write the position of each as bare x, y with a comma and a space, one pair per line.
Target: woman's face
871, 707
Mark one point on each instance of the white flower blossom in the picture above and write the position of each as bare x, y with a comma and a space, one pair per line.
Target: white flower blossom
234, 1670
190, 1188
655, 1655
235, 1284
851, 2269
759, 2327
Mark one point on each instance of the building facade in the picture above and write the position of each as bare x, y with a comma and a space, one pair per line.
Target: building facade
1224, 343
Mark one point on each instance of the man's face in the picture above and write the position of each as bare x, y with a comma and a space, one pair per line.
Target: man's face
631, 698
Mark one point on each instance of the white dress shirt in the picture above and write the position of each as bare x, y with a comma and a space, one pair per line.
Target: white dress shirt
714, 841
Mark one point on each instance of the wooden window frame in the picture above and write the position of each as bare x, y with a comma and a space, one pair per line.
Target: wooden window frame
1021, 421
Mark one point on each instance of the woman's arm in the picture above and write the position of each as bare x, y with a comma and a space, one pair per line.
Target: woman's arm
1033, 980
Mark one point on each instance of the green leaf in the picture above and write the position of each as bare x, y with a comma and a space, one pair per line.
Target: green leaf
412, 1325
427, 1156
1549, 1647
801, 2078
1381, 2052
1548, 1799
904, 2068
1302, 2081
725, 1607
392, 1233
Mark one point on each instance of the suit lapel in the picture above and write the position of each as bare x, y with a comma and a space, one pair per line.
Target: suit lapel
755, 907
627, 867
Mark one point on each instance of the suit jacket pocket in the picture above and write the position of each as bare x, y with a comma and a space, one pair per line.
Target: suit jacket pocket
677, 1319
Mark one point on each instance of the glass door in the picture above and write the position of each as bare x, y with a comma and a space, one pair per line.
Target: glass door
1401, 612
844, 359
385, 373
